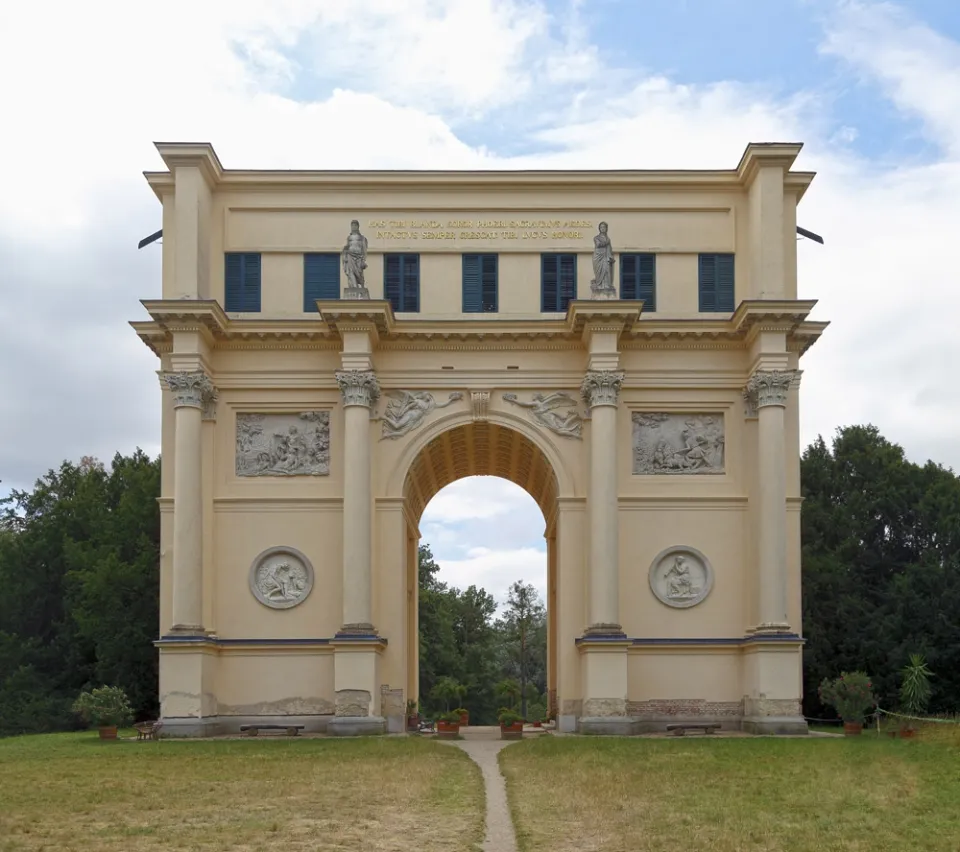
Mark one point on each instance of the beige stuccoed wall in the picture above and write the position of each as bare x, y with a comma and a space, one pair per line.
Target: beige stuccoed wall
243, 516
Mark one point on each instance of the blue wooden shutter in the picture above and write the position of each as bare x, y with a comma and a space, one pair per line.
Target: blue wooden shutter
410, 296
638, 279
321, 279
716, 282
241, 291
725, 282
549, 283
391, 279
472, 286
401, 282
568, 280
479, 283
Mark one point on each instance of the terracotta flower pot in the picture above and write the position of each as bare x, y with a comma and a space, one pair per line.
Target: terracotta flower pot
108, 732
464, 718
511, 732
852, 729
448, 730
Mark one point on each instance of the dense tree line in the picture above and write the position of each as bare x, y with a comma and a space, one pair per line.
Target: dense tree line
881, 567
79, 560
79, 557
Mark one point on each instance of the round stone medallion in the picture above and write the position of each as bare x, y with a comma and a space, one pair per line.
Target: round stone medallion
281, 577
681, 576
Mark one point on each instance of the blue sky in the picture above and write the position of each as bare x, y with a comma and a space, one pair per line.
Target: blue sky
871, 88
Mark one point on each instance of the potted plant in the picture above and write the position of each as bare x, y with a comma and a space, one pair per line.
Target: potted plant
413, 716
851, 695
464, 716
511, 724
914, 691
448, 725
106, 707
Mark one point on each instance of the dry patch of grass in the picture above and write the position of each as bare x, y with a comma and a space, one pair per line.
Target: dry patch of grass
74, 792
720, 795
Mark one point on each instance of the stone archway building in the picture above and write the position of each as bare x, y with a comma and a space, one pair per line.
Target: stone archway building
335, 347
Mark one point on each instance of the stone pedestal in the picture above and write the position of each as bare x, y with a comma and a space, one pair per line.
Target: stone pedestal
188, 702
604, 672
356, 682
356, 293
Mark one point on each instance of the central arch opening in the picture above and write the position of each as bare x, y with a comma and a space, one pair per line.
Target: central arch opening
489, 648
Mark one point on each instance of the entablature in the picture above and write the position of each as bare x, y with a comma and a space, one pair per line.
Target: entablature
336, 317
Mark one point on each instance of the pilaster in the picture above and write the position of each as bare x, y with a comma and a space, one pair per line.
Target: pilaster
192, 393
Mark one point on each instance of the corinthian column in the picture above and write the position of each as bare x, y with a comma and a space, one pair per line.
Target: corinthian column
191, 393
360, 392
767, 390
600, 390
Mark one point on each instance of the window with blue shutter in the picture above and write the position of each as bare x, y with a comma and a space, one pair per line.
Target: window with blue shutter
715, 281
558, 282
241, 291
479, 283
321, 279
401, 282
638, 279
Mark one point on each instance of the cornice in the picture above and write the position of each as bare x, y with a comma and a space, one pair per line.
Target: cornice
203, 156
583, 316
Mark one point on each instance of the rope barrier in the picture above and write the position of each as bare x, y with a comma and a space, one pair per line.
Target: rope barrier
918, 718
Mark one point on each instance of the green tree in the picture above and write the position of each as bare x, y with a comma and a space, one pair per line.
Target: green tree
881, 565
524, 630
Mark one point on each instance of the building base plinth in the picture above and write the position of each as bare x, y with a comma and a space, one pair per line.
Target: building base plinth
780, 725
610, 726
356, 726
190, 726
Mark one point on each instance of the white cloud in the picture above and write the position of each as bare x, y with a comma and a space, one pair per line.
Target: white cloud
477, 498
496, 570
94, 91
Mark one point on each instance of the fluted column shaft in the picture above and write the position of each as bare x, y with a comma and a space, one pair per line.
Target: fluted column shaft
600, 390
360, 391
191, 392
768, 390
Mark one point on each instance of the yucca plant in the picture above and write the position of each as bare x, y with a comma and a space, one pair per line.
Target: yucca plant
915, 689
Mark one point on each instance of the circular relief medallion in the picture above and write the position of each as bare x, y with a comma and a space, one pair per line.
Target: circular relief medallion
281, 577
681, 576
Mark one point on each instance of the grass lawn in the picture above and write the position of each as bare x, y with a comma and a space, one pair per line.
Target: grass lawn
75, 792
749, 795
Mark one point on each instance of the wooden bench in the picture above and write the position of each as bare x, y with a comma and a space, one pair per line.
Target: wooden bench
148, 730
253, 730
680, 730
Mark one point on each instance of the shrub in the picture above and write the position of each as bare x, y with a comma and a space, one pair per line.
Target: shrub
104, 706
851, 695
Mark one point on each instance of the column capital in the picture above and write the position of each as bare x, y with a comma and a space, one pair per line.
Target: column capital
358, 387
768, 387
192, 390
601, 387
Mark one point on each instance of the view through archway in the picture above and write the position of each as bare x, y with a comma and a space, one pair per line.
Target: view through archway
486, 502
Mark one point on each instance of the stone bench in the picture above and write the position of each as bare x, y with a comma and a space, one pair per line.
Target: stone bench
680, 730
253, 730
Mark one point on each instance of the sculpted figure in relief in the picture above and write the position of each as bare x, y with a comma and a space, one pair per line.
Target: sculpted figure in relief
282, 582
546, 410
603, 261
354, 258
283, 444
406, 410
678, 443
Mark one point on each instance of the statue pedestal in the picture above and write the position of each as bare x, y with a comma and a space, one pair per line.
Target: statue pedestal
356, 293
605, 294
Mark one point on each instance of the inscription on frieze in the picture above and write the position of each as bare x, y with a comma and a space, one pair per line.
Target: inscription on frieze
677, 444
295, 444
